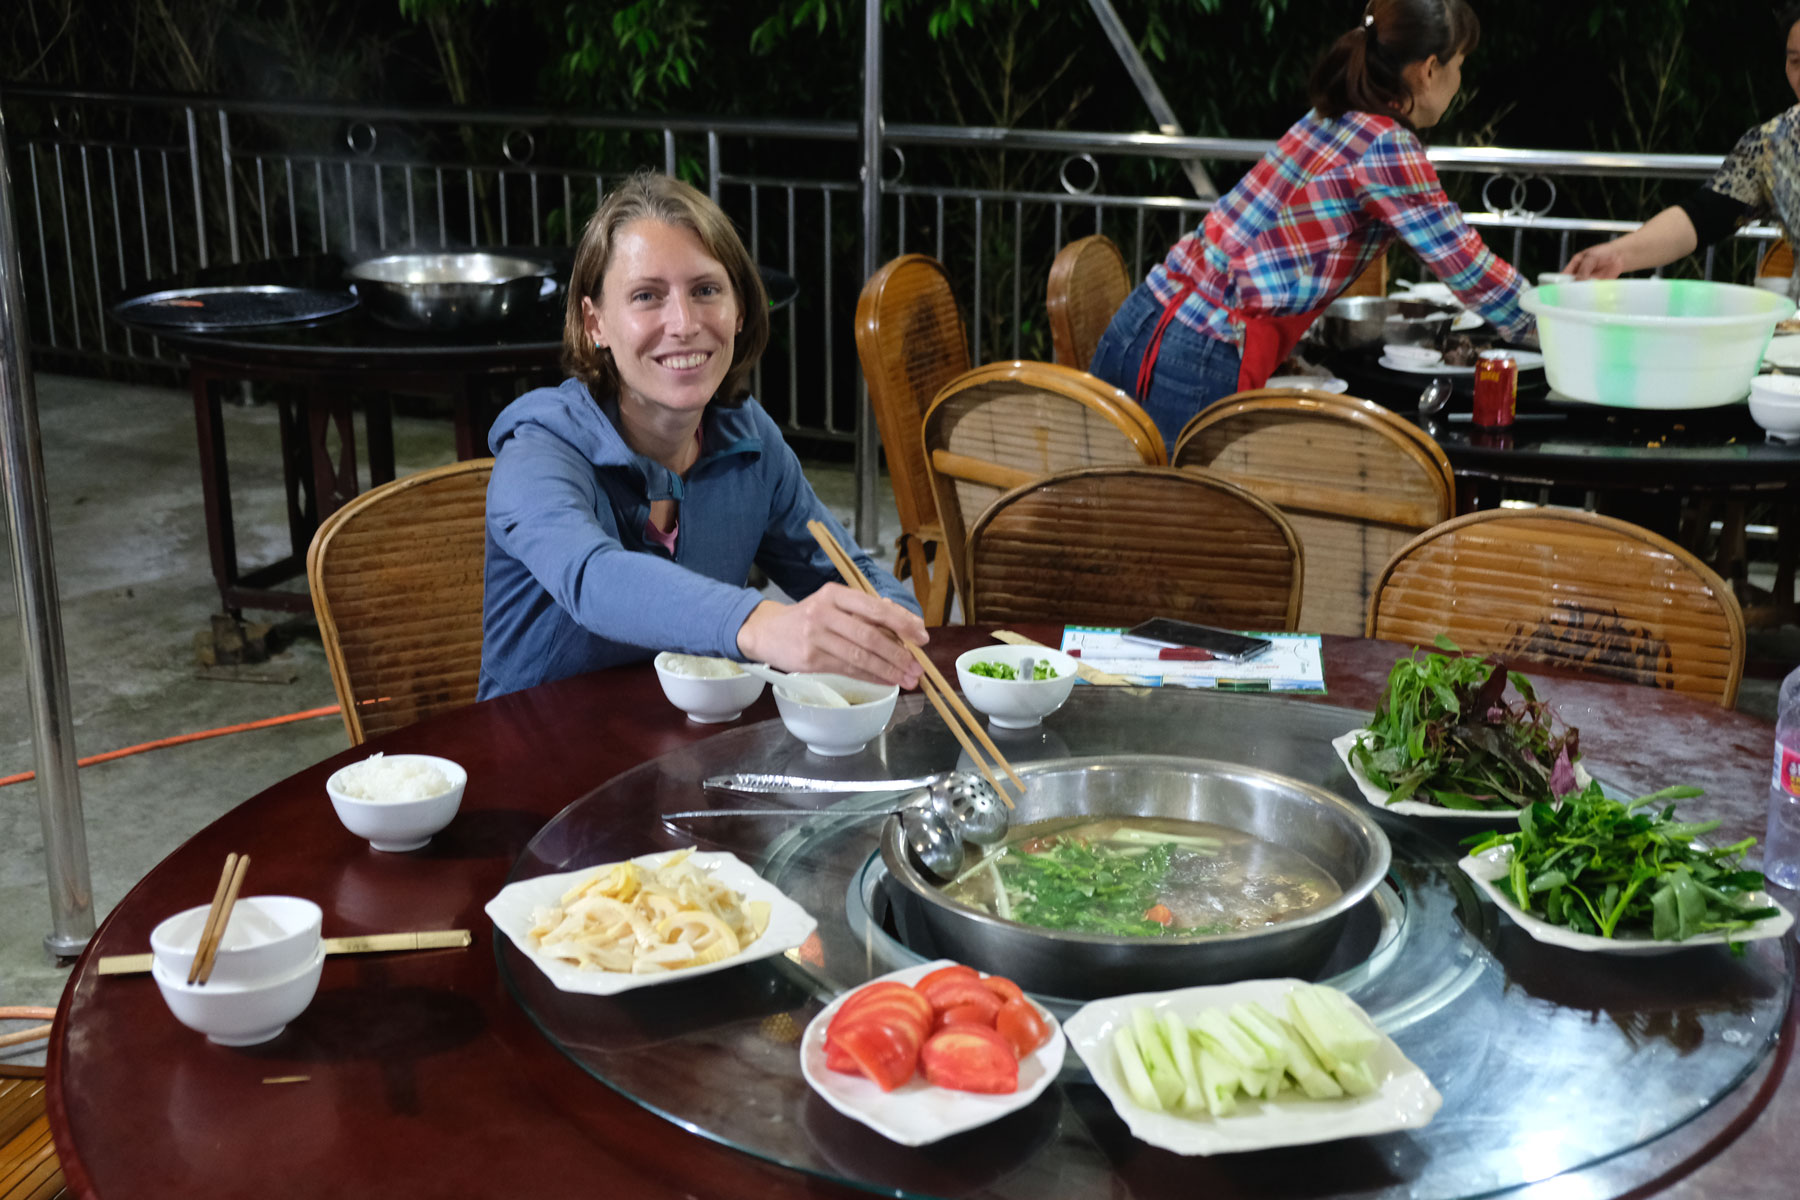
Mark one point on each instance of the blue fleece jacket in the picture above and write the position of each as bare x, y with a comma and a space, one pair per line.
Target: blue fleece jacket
572, 583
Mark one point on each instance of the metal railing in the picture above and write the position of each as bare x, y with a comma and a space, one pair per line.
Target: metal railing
120, 188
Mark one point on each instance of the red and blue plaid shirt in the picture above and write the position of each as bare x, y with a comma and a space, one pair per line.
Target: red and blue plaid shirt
1313, 213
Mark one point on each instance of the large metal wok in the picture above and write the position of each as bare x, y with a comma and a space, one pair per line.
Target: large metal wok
1369, 322
1336, 835
444, 292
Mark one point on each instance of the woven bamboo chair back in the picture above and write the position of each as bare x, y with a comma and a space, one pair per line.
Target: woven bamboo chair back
1088, 283
1777, 260
1006, 424
1356, 481
1119, 545
29, 1168
396, 578
1567, 588
1371, 281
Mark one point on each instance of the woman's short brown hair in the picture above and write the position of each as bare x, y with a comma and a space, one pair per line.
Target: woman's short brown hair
648, 196
1362, 70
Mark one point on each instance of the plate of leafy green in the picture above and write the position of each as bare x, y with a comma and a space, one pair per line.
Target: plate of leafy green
1458, 735
1623, 877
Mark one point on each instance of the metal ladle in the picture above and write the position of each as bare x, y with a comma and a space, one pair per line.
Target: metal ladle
962, 797
930, 836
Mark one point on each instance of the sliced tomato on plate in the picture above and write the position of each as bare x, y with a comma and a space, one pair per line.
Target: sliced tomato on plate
1002, 987
1020, 1024
970, 1058
886, 992
956, 970
951, 993
965, 1014
887, 1054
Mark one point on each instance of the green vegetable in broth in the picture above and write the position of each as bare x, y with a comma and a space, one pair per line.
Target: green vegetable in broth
999, 670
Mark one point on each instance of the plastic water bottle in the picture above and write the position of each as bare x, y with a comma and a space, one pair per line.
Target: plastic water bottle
1781, 846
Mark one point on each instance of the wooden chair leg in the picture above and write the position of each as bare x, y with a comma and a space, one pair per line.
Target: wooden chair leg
937, 604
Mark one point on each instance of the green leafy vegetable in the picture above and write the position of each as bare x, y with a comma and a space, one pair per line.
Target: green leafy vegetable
1094, 888
1603, 867
1445, 733
998, 670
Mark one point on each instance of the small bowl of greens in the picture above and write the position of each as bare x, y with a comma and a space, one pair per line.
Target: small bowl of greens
992, 679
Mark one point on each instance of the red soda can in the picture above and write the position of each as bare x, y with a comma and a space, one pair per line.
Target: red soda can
1496, 388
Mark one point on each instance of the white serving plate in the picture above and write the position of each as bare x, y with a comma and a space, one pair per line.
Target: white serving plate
1378, 795
1528, 360
1405, 1098
789, 924
1491, 865
1784, 351
918, 1113
1318, 384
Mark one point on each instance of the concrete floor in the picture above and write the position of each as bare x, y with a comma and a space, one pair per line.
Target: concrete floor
136, 587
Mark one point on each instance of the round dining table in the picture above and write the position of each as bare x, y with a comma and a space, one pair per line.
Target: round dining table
445, 1073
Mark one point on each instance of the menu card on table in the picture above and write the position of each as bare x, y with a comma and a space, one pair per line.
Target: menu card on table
1293, 663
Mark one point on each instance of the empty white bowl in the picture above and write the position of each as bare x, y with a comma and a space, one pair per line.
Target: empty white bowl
1015, 703
1413, 356
267, 937
399, 824
239, 1014
835, 732
1775, 405
706, 698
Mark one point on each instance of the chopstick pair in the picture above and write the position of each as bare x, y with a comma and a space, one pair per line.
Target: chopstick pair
943, 697
231, 881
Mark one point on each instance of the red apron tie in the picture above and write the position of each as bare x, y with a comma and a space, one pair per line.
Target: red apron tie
1267, 341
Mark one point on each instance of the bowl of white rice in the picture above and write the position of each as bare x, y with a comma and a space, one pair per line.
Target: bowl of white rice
397, 801
709, 690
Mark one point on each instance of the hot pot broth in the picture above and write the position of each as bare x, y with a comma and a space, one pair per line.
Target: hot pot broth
1142, 877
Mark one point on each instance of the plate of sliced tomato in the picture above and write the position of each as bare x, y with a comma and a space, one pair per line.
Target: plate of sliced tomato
933, 1050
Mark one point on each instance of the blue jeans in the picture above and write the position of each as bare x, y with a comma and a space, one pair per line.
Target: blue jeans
1192, 370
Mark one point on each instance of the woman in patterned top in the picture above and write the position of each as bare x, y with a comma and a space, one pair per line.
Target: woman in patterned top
1759, 180
1230, 301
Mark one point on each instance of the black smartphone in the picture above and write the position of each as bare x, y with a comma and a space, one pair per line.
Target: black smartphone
1220, 643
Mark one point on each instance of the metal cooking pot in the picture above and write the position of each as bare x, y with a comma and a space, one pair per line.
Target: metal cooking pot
442, 292
1336, 835
1367, 322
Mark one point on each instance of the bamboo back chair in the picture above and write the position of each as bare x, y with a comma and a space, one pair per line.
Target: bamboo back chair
1567, 588
1088, 283
396, 578
911, 342
1356, 481
1372, 281
1118, 545
29, 1169
1006, 424
1777, 260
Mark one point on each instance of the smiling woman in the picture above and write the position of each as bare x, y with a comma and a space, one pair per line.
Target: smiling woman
627, 505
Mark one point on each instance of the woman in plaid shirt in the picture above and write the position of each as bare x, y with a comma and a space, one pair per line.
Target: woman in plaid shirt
1230, 301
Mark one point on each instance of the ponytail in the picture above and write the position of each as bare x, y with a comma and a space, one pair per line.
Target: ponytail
1363, 69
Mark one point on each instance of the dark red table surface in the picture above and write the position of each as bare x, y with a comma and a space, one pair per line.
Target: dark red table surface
426, 1079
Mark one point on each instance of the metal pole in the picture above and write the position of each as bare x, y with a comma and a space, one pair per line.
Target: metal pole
40, 620
868, 441
1160, 108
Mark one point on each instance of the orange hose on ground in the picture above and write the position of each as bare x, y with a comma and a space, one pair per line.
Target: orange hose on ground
180, 738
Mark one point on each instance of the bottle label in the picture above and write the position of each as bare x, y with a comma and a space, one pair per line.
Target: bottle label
1787, 769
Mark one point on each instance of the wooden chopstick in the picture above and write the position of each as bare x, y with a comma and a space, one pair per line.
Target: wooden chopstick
212, 915
847, 567
368, 943
208, 953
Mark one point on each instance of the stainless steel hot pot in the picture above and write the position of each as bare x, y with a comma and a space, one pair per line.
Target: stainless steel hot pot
1336, 835
1367, 322
444, 292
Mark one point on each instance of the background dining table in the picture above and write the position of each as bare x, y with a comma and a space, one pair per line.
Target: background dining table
422, 1075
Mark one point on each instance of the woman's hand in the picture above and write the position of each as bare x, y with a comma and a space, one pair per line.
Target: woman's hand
1598, 262
839, 630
